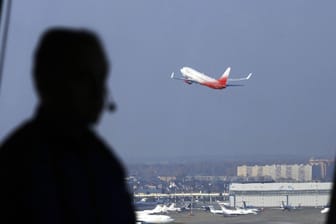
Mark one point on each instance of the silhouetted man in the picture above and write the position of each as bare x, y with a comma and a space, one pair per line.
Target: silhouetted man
54, 168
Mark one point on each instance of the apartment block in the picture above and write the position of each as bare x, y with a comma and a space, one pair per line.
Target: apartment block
295, 172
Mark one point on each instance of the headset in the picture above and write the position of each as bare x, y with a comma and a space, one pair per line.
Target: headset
111, 106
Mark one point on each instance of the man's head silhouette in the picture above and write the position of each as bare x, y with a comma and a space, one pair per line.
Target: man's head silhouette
54, 168
70, 72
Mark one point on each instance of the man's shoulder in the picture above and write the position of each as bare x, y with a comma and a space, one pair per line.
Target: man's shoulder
21, 136
106, 153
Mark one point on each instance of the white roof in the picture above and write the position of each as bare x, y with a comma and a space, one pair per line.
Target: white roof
280, 186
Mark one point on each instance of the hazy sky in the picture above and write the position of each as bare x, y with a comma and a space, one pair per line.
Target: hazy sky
287, 107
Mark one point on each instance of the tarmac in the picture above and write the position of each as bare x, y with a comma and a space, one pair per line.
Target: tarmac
268, 216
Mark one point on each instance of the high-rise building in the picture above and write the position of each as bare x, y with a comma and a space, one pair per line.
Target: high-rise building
323, 169
296, 172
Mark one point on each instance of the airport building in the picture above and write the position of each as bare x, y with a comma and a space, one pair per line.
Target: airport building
309, 194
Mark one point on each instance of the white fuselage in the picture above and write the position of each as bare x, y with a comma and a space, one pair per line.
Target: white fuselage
237, 211
192, 74
148, 218
325, 210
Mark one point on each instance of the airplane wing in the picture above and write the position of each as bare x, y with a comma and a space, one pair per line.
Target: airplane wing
235, 85
189, 81
173, 77
241, 79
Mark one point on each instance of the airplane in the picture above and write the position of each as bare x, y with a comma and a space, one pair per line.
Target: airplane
145, 204
230, 212
153, 216
287, 207
172, 208
187, 207
158, 209
150, 218
252, 208
236, 211
325, 210
191, 76
215, 211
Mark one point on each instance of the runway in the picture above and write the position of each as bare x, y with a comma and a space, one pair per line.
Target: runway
268, 216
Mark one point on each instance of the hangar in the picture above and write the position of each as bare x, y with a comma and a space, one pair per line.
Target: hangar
307, 194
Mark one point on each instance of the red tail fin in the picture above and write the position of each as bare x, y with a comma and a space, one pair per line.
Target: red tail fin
223, 79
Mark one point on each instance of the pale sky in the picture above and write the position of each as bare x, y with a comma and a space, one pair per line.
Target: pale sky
286, 108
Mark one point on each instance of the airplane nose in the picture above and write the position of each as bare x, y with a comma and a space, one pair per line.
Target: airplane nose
184, 70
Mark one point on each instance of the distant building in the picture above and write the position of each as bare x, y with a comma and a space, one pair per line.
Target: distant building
322, 169
210, 178
296, 172
167, 178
